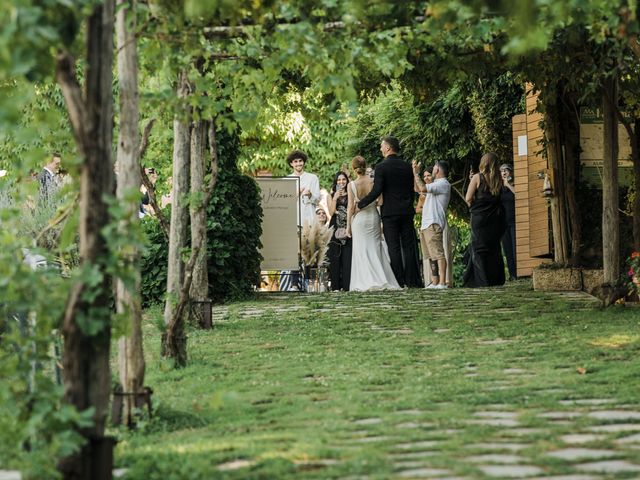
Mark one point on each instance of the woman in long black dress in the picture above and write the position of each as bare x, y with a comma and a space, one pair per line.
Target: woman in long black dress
340, 244
508, 197
485, 267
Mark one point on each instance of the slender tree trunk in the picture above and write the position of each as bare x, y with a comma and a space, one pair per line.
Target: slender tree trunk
130, 354
199, 284
610, 215
555, 162
571, 159
87, 325
635, 154
176, 324
634, 140
174, 345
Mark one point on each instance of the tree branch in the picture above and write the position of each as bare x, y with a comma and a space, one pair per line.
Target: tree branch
145, 139
78, 116
151, 189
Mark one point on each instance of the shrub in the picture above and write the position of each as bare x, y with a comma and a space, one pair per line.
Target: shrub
233, 232
153, 265
234, 227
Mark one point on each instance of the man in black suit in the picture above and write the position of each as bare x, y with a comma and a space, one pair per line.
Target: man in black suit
47, 178
393, 179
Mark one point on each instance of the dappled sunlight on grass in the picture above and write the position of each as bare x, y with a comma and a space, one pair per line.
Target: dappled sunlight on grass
615, 341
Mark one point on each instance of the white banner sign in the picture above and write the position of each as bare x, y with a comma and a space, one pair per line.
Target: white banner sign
280, 237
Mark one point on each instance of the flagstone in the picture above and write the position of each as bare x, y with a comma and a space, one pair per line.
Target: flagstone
414, 445
609, 466
10, 475
493, 414
496, 341
630, 439
320, 462
568, 477
580, 438
494, 422
512, 447
412, 455
514, 371
560, 415
500, 458
581, 454
235, 465
524, 431
588, 401
368, 421
409, 464
615, 427
422, 472
401, 331
409, 425
410, 412
510, 471
614, 415
372, 439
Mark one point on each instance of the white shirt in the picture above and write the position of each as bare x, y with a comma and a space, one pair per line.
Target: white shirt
436, 203
306, 204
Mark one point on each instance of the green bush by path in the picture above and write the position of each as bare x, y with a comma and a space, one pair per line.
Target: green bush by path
234, 226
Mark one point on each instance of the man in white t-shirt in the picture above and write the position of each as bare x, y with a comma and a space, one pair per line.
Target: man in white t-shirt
309, 194
434, 219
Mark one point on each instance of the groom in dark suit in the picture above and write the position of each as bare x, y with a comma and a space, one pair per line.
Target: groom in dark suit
394, 180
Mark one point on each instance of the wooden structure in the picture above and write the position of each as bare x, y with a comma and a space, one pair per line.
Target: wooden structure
533, 244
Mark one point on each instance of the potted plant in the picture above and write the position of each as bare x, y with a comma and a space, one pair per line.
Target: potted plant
315, 244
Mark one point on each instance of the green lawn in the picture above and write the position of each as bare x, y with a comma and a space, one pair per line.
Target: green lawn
411, 384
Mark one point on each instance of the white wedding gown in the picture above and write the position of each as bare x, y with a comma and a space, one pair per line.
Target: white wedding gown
370, 266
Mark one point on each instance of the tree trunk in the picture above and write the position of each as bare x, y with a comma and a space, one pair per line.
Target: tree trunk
87, 324
130, 354
176, 324
199, 284
174, 345
635, 154
610, 215
571, 161
555, 162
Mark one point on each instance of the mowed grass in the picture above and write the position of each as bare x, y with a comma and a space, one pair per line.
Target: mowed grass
386, 385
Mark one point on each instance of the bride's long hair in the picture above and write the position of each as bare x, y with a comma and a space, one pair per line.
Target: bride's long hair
490, 170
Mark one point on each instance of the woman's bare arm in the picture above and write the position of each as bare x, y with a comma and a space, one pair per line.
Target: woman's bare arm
471, 191
332, 204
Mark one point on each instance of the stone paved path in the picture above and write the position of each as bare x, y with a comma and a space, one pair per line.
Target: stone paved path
572, 439
531, 414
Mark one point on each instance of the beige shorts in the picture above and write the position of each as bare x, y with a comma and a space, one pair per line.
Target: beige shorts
432, 242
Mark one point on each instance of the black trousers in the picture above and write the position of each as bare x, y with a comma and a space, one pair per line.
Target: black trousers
509, 247
403, 251
340, 264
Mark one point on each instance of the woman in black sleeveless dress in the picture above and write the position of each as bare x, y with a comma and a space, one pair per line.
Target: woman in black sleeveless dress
485, 267
340, 245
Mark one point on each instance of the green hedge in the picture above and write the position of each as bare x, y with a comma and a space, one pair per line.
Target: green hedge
234, 226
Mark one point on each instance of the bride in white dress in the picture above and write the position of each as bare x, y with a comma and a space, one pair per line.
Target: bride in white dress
370, 266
